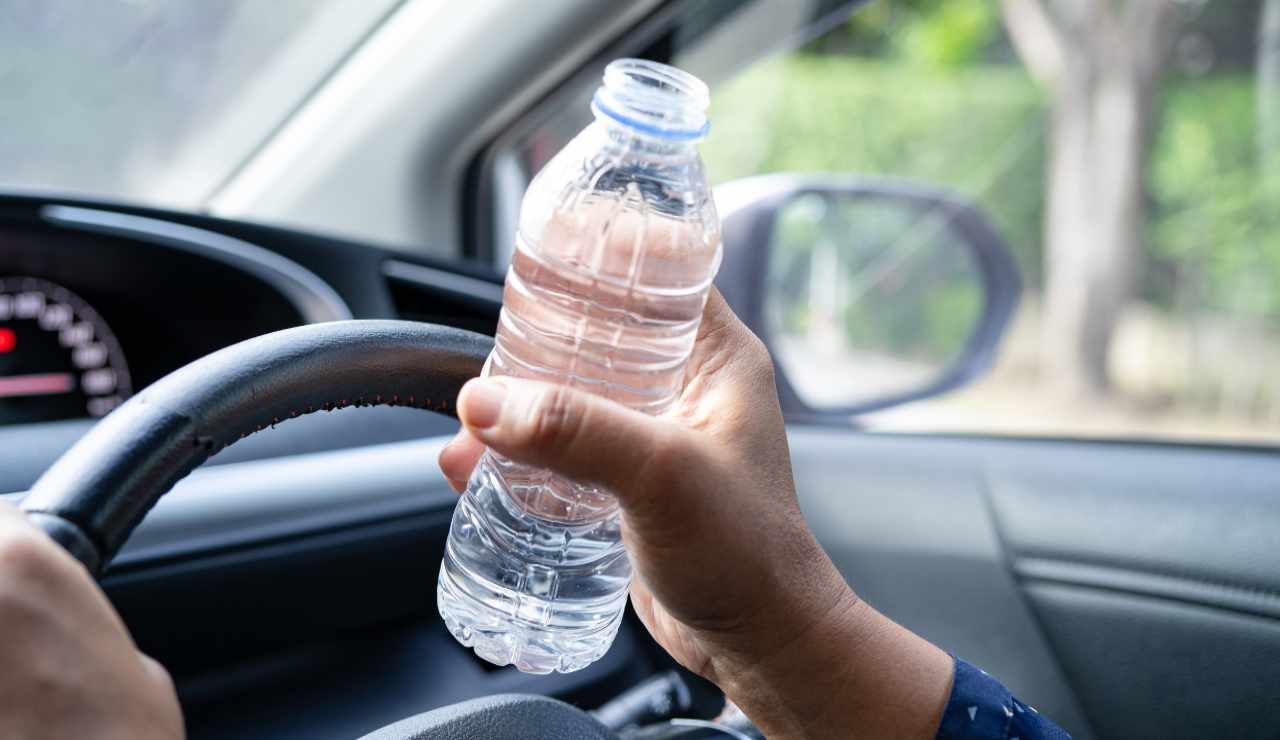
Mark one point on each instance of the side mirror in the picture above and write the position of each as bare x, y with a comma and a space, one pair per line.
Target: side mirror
869, 293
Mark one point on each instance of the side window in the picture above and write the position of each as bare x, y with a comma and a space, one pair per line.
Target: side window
1128, 151
714, 39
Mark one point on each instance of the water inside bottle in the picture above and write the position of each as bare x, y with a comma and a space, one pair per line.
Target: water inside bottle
604, 303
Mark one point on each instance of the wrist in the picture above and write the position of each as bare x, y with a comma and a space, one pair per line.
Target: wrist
847, 671
787, 690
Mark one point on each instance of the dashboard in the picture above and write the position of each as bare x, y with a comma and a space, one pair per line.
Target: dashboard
94, 306
97, 303
286, 583
99, 300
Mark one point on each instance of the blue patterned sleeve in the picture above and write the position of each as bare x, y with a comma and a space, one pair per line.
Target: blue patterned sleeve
981, 708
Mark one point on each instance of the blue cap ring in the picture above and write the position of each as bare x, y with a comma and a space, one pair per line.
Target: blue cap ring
648, 128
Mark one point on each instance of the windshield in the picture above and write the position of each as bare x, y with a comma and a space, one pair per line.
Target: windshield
158, 102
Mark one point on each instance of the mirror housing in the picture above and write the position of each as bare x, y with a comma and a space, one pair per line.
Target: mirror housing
751, 210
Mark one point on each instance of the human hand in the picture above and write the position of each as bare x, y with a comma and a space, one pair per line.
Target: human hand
69, 667
728, 577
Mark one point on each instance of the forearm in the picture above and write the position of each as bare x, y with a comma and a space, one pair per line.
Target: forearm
851, 673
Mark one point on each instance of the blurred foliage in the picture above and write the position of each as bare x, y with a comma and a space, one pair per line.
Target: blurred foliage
979, 131
930, 326
1215, 228
939, 33
955, 33
839, 260
928, 90
933, 91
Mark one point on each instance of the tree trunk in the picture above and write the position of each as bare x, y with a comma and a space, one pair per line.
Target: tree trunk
1094, 223
1070, 239
1268, 94
1102, 77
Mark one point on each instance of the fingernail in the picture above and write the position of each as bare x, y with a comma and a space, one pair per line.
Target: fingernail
482, 403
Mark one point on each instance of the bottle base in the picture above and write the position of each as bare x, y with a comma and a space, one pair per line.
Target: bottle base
531, 649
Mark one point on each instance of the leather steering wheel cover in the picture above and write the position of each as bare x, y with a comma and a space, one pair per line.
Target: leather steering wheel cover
106, 483
499, 717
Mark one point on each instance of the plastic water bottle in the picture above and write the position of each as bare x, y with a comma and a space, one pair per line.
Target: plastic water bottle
617, 244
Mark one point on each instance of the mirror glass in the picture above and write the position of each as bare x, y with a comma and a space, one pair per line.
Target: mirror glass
867, 296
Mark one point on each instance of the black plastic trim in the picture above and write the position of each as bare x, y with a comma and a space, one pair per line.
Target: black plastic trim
315, 299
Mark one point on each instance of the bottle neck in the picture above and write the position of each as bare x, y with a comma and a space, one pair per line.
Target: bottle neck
622, 136
659, 105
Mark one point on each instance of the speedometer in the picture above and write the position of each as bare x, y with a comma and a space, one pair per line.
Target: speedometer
58, 358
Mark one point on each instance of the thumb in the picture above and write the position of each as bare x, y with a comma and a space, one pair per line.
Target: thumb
576, 434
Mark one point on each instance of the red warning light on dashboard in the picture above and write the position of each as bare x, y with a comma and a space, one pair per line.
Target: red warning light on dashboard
7, 340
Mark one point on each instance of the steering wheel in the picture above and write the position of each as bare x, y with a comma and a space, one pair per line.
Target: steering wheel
91, 499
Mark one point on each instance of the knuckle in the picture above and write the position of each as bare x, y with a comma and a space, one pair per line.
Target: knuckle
665, 452
663, 485
162, 677
25, 568
556, 417
24, 556
668, 460
757, 360
759, 354
16, 607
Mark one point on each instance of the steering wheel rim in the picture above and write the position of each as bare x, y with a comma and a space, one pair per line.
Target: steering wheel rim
91, 499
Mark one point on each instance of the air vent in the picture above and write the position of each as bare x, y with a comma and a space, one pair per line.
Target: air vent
437, 296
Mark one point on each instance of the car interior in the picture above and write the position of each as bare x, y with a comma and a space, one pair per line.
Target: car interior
1124, 587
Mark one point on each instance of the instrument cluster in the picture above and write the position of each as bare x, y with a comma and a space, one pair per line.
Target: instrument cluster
92, 311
